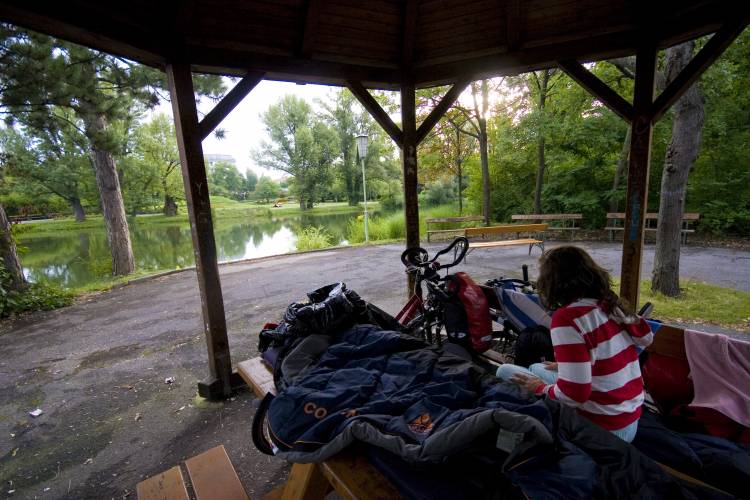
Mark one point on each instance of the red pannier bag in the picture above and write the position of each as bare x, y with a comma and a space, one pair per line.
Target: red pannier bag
474, 303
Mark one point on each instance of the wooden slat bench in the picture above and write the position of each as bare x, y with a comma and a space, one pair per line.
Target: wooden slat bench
211, 475
450, 220
350, 475
567, 222
492, 231
616, 222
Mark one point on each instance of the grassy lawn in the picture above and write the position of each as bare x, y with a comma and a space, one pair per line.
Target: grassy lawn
702, 303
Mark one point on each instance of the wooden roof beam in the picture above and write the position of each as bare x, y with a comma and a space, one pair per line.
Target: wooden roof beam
703, 60
598, 89
440, 109
228, 103
411, 11
310, 31
377, 112
513, 24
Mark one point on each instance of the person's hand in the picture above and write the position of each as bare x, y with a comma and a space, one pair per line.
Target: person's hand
528, 382
550, 365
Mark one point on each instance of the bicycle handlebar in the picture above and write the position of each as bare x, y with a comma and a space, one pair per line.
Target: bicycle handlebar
418, 256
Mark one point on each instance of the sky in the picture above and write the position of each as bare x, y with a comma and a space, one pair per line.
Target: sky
243, 127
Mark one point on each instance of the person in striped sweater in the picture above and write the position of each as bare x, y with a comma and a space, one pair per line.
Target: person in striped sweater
596, 339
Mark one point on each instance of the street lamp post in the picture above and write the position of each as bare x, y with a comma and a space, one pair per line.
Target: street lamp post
362, 150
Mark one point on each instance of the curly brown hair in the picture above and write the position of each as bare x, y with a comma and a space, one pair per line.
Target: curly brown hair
568, 273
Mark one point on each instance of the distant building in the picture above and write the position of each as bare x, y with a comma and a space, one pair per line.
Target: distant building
214, 159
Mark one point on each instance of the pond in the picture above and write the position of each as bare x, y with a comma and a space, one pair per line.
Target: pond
77, 258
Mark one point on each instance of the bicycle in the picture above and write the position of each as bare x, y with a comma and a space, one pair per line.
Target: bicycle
425, 315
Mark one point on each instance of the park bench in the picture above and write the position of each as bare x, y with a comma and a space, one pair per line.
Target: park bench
450, 220
492, 231
557, 222
616, 221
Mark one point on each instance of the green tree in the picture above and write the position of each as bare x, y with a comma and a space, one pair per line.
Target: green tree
225, 179
301, 145
156, 151
249, 183
266, 189
50, 162
40, 75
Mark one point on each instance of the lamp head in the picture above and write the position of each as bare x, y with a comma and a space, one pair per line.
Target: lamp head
362, 145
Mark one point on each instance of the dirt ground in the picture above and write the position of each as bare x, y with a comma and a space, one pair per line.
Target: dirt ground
97, 369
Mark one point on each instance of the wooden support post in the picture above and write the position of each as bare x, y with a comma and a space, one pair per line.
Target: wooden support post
409, 162
199, 209
640, 160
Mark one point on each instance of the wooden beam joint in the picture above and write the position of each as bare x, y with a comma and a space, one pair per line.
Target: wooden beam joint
228, 103
598, 89
703, 60
377, 112
442, 107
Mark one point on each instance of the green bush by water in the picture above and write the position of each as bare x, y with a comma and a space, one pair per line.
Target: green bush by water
35, 297
393, 226
313, 238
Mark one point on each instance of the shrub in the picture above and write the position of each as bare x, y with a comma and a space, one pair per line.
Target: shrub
312, 238
34, 297
380, 228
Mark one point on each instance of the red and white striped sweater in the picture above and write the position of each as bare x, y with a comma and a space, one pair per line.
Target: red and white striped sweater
597, 363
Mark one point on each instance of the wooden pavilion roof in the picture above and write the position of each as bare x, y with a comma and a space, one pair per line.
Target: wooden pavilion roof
380, 43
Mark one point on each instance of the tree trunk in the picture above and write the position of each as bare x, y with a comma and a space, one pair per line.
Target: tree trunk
622, 164
681, 154
113, 209
9, 255
541, 167
349, 177
170, 206
484, 159
541, 162
302, 205
75, 205
460, 188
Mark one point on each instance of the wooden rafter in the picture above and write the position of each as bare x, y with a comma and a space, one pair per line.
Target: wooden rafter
440, 109
310, 31
411, 11
228, 103
513, 24
598, 89
713, 49
377, 112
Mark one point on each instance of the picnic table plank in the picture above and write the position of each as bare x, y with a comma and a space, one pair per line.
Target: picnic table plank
213, 476
169, 485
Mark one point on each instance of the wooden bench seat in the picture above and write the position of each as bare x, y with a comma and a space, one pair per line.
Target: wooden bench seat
565, 222
616, 221
449, 220
350, 475
493, 231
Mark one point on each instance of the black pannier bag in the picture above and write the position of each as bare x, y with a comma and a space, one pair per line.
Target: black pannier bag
534, 345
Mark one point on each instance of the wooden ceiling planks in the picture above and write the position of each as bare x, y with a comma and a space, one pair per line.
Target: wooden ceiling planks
352, 38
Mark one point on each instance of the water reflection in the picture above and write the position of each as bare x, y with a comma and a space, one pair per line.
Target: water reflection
76, 258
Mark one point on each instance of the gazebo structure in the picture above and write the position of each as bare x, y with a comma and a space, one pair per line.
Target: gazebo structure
388, 44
